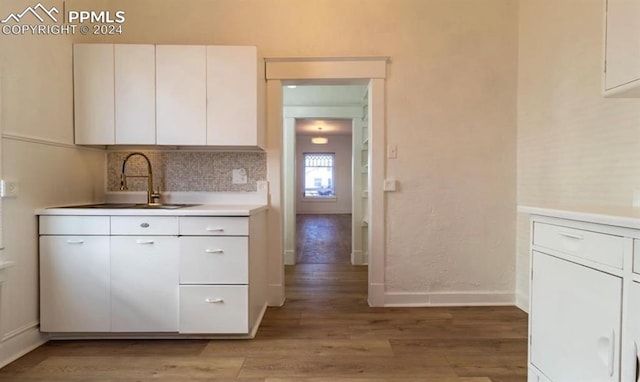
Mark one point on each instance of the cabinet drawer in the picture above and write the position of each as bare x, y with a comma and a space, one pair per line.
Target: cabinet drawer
598, 247
214, 226
74, 225
214, 309
214, 260
144, 225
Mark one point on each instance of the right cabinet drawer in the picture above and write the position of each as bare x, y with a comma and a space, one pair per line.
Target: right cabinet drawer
214, 260
214, 226
214, 309
601, 248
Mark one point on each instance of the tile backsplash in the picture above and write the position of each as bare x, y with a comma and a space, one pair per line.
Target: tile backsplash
188, 171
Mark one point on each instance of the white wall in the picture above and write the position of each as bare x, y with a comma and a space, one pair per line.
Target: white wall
37, 151
451, 110
574, 146
341, 146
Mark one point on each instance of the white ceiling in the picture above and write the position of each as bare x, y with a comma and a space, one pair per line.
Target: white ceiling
323, 126
324, 95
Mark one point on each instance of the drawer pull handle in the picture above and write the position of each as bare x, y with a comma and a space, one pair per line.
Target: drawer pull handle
75, 241
571, 235
214, 300
144, 225
144, 241
215, 229
214, 251
612, 352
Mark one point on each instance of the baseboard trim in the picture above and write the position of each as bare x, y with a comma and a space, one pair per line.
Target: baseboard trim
19, 342
289, 257
275, 295
376, 294
357, 258
421, 299
522, 301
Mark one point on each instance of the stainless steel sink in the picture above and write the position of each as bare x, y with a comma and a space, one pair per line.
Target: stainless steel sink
119, 206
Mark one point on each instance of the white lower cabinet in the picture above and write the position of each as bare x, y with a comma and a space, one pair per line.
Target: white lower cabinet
144, 283
201, 275
631, 343
74, 284
214, 309
575, 321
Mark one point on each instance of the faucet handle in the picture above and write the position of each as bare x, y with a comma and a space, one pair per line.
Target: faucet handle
155, 195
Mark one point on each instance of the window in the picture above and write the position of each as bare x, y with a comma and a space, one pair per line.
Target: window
318, 175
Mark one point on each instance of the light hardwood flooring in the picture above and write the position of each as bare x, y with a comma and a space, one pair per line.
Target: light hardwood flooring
324, 332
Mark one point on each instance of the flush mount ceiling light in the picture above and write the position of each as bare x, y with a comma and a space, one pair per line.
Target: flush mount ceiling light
319, 140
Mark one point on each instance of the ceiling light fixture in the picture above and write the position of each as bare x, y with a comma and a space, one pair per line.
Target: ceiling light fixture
291, 86
319, 140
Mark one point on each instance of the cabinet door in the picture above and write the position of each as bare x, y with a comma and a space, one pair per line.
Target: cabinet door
135, 94
631, 342
144, 283
181, 95
622, 43
575, 321
74, 284
232, 96
93, 94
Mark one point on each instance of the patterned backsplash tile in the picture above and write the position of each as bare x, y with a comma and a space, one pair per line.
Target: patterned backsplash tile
188, 171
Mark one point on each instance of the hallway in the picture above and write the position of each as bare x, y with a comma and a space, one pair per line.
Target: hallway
323, 239
325, 332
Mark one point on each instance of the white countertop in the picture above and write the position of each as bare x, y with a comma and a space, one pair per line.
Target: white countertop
628, 217
199, 210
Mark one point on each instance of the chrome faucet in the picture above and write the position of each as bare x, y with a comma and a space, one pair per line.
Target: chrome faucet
152, 196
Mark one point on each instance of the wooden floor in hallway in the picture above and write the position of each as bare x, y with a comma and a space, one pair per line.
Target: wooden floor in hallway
325, 332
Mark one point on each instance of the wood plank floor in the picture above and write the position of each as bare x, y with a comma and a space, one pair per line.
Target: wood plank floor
324, 332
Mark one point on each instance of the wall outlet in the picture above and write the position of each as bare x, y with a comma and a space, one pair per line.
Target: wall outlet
263, 186
390, 185
239, 176
9, 188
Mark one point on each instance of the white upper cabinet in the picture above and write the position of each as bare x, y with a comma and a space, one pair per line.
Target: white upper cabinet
135, 94
233, 96
93, 93
181, 95
178, 95
622, 68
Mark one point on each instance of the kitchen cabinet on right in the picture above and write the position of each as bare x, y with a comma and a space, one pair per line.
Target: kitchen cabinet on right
622, 42
234, 96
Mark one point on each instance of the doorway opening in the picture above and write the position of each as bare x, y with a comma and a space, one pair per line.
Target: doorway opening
325, 173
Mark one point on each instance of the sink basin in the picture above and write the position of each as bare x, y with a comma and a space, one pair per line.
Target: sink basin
119, 206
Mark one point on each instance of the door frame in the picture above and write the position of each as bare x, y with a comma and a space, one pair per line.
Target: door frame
323, 71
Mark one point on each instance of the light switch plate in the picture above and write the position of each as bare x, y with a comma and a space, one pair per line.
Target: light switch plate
392, 152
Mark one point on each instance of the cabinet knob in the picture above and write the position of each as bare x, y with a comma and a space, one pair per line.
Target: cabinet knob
144, 241
75, 241
214, 229
214, 251
214, 300
144, 225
